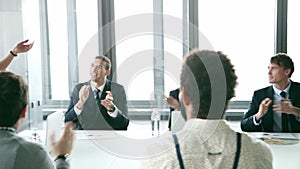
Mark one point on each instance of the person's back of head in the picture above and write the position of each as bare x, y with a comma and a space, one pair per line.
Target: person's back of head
199, 72
13, 98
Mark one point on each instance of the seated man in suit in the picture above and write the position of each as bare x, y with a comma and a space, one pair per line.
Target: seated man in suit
98, 104
275, 108
173, 102
16, 152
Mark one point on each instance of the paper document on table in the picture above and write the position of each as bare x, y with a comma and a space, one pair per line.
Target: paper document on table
277, 138
283, 136
91, 135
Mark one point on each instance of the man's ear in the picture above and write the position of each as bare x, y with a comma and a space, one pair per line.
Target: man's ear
185, 98
287, 71
107, 72
23, 113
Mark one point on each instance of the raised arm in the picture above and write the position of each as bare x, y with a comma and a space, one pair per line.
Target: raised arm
21, 47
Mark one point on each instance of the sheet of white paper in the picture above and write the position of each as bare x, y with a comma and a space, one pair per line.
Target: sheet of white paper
90, 135
288, 136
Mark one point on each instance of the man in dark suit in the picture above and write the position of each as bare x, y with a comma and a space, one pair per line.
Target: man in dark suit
173, 102
98, 104
276, 107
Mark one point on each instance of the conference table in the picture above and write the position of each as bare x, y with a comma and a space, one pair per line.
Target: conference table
128, 149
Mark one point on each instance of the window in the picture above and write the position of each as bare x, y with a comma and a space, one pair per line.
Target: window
87, 38
173, 43
87, 21
243, 30
133, 52
32, 32
293, 36
140, 85
58, 49
245, 34
61, 27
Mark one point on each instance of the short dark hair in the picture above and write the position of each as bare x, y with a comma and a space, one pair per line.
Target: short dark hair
13, 98
106, 60
284, 61
196, 80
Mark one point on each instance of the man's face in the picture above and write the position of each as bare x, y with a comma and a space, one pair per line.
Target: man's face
97, 70
277, 74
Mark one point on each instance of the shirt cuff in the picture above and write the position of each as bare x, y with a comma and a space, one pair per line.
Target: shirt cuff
77, 111
298, 117
254, 121
114, 113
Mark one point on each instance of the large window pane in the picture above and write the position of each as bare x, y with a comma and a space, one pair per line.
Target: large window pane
139, 84
58, 44
293, 39
87, 36
32, 32
173, 62
135, 67
173, 43
87, 22
244, 30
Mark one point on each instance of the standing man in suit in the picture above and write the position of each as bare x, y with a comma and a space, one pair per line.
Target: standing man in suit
98, 104
276, 107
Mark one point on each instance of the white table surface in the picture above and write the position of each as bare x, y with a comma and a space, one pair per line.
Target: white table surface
124, 149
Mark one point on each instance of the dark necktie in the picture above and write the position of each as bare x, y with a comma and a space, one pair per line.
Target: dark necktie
96, 95
284, 117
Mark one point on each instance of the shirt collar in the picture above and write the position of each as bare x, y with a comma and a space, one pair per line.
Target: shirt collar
11, 129
99, 88
278, 91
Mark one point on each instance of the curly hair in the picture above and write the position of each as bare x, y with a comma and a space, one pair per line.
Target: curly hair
196, 79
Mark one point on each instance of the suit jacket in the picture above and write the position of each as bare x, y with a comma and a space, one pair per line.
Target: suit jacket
18, 153
175, 94
267, 121
93, 117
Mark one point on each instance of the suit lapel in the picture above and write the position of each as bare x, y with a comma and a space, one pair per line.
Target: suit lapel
270, 92
269, 123
292, 91
107, 87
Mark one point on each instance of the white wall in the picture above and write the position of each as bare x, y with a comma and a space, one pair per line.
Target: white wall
13, 29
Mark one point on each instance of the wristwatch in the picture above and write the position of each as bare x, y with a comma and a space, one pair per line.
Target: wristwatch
64, 157
112, 109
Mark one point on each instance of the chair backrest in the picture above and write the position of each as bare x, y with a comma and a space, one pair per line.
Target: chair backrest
55, 122
177, 121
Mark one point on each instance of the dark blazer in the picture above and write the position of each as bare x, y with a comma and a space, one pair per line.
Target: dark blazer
267, 121
93, 118
175, 94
